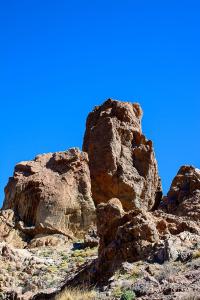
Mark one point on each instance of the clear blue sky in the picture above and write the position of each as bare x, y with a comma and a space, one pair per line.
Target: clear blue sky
58, 59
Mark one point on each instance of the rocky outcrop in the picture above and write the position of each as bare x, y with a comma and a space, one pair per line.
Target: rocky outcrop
140, 235
122, 161
49, 201
8, 232
52, 194
183, 198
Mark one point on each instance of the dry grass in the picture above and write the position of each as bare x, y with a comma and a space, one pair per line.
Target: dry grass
77, 295
196, 254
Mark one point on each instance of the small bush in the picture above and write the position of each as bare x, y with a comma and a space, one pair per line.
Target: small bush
64, 265
128, 295
52, 269
123, 294
196, 254
46, 253
117, 292
87, 252
64, 256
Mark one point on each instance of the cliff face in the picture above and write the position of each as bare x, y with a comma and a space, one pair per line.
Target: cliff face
52, 193
121, 160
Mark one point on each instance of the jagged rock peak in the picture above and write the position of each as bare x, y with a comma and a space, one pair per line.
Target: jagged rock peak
121, 160
52, 193
183, 198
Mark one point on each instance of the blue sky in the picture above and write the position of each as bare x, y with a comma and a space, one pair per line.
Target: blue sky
58, 59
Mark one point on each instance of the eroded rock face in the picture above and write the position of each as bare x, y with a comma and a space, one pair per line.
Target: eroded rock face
141, 235
52, 194
183, 198
122, 161
8, 232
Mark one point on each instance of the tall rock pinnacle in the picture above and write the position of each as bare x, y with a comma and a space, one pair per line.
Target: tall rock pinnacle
121, 160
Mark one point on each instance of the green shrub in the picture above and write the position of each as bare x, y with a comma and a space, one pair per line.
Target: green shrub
128, 295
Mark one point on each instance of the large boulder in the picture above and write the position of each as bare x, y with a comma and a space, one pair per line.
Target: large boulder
183, 198
121, 160
52, 194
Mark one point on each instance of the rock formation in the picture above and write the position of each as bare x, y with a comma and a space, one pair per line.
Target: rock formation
122, 161
52, 194
50, 199
8, 232
183, 198
140, 235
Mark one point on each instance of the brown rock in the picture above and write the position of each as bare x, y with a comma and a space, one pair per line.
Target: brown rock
125, 236
122, 161
54, 240
52, 194
183, 198
140, 235
91, 238
108, 219
8, 233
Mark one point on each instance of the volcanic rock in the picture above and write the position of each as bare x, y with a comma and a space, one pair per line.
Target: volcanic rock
140, 235
52, 194
183, 198
8, 232
121, 160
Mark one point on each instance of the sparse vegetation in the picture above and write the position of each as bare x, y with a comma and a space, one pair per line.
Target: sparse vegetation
52, 269
42, 268
84, 252
117, 292
46, 253
196, 254
122, 294
77, 295
128, 295
135, 273
64, 265
64, 256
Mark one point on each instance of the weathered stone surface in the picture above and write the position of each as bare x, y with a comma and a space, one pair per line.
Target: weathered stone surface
8, 232
91, 238
183, 198
109, 216
122, 161
51, 240
52, 194
140, 235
